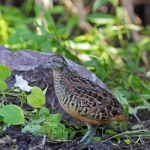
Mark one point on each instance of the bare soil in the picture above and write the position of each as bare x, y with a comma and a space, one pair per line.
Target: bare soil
14, 139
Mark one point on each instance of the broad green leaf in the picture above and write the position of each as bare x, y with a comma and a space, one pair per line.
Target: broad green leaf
120, 97
100, 19
3, 85
4, 71
1, 118
12, 114
114, 2
36, 99
38, 120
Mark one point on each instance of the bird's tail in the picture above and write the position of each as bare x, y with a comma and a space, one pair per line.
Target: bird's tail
120, 118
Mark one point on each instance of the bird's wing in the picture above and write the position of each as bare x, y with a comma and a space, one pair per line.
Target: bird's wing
93, 101
93, 105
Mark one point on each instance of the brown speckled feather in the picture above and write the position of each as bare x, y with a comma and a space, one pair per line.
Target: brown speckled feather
86, 101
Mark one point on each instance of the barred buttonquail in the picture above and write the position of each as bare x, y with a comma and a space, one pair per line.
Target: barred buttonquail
83, 99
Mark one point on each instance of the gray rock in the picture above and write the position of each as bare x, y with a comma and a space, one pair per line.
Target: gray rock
25, 60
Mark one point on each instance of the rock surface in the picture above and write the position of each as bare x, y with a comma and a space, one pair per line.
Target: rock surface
25, 60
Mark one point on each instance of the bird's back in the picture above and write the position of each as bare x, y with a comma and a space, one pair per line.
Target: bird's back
86, 101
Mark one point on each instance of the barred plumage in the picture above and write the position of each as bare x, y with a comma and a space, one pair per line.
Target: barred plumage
83, 99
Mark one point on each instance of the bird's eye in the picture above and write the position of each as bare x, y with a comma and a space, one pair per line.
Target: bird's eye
54, 60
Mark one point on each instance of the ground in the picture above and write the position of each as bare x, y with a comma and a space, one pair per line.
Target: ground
13, 138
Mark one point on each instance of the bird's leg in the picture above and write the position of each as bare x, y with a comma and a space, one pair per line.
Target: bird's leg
89, 134
92, 133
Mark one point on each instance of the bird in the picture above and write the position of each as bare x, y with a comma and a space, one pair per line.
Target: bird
83, 99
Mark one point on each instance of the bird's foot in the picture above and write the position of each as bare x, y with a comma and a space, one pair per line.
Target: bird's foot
88, 136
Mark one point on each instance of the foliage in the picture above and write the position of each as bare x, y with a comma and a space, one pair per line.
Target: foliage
48, 124
36, 99
40, 122
4, 73
108, 50
12, 114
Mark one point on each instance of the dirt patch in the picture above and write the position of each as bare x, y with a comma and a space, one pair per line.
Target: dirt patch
14, 139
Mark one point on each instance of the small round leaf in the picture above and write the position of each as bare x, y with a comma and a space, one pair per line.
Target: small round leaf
36, 99
3, 85
4, 71
12, 114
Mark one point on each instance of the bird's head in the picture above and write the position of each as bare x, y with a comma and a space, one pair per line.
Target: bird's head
55, 62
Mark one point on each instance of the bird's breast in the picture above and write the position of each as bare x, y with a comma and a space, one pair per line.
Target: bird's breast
64, 96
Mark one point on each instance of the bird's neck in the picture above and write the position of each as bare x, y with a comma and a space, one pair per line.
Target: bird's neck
57, 74
59, 85
61, 79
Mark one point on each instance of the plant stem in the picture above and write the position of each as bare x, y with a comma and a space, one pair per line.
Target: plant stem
129, 132
9, 94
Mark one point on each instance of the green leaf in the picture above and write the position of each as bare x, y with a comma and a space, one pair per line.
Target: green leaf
36, 99
12, 114
44, 111
134, 81
147, 105
57, 9
96, 139
100, 19
38, 120
114, 2
54, 118
110, 132
127, 141
33, 128
122, 99
4, 71
136, 127
3, 85
132, 110
55, 131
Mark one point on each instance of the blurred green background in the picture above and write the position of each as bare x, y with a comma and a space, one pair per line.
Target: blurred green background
110, 37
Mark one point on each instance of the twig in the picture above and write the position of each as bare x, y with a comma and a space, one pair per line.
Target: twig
9, 94
4, 97
40, 145
43, 141
125, 133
